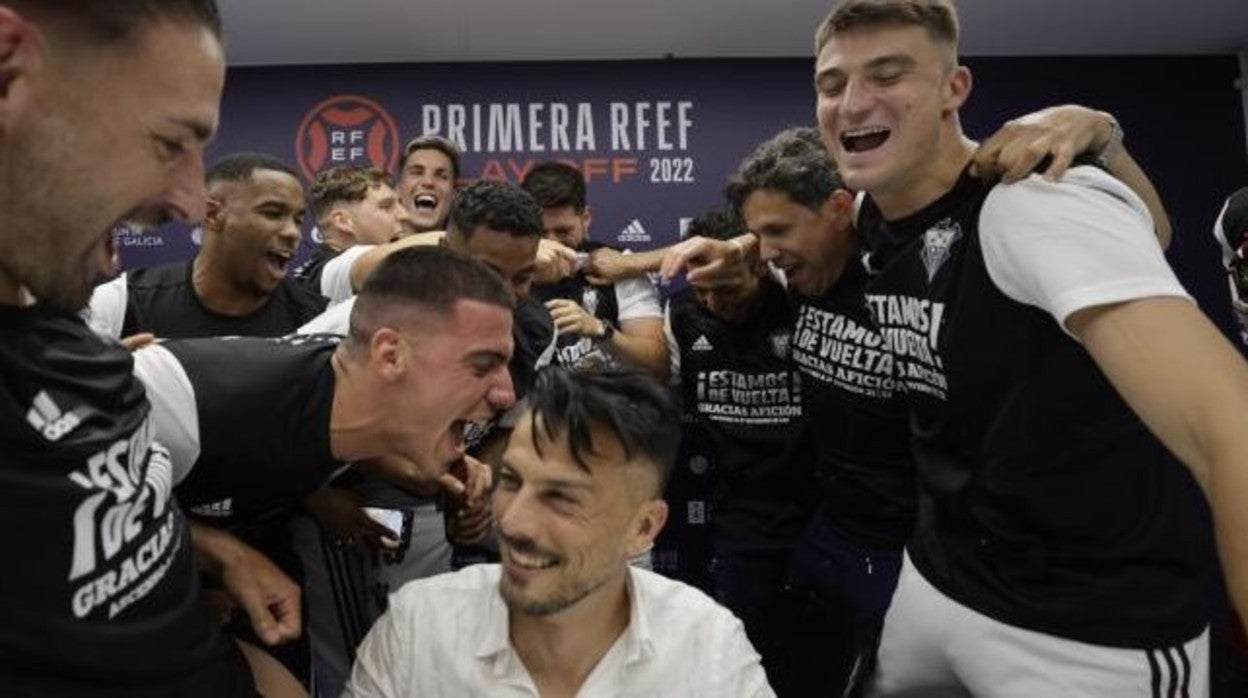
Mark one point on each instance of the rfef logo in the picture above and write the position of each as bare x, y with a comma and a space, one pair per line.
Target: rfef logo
346, 130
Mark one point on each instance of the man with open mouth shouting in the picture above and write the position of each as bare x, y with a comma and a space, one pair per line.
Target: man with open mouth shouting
237, 283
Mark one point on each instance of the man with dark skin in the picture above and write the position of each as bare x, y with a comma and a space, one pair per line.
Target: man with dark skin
237, 283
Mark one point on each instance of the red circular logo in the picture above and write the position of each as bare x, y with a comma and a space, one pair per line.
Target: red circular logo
346, 130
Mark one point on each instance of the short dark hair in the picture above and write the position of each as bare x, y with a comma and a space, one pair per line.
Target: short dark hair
503, 206
345, 184
794, 162
720, 223
431, 277
238, 167
555, 184
114, 21
432, 141
639, 411
937, 17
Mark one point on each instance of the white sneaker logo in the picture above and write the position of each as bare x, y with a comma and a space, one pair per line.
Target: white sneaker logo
48, 419
702, 344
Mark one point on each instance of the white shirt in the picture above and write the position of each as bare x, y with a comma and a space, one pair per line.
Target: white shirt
336, 274
1085, 241
447, 636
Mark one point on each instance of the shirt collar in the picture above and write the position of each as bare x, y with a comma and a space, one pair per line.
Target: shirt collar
494, 643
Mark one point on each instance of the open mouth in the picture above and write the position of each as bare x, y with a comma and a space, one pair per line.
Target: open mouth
864, 139
278, 262
425, 202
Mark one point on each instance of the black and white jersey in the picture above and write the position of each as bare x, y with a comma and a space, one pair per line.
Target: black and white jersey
100, 593
1044, 502
626, 299
162, 300
738, 385
249, 417
1231, 232
859, 418
309, 273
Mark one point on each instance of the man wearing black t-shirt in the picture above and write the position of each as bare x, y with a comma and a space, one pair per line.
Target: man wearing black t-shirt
597, 323
101, 598
236, 284
353, 205
742, 397
1059, 550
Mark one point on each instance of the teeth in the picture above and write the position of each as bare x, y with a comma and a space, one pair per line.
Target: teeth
868, 131
530, 562
426, 200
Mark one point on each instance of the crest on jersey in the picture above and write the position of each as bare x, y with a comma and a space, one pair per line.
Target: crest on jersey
589, 300
780, 340
937, 243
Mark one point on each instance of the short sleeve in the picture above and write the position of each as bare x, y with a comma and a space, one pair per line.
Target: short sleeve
106, 312
335, 320
1083, 242
637, 298
175, 414
336, 275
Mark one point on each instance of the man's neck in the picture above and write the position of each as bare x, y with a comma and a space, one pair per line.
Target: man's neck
353, 431
215, 290
930, 183
561, 650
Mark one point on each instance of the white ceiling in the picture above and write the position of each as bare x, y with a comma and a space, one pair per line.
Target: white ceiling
269, 32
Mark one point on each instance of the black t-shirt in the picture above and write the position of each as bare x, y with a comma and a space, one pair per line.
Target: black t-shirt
859, 419
599, 301
100, 593
740, 388
309, 273
262, 410
1044, 501
162, 300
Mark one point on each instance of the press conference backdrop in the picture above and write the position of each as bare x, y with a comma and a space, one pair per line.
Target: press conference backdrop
656, 140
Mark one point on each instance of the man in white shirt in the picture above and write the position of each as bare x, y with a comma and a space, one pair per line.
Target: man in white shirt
578, 494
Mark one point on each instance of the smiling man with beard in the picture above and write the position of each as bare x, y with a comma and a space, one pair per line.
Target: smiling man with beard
579, 494
89, 609
237, 284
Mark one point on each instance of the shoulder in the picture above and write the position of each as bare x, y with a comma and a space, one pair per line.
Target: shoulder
163, 276
306, 303
671, 606
1083, 191
449, 595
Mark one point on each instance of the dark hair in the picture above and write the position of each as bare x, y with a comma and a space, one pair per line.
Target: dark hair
720, 223
432, 141
555, 184
937, 17
346, 184
113, 21
639, 412
794, 162
238, 167
428, 276
503, 206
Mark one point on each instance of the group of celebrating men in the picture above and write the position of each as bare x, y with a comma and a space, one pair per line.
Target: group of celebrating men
963, 416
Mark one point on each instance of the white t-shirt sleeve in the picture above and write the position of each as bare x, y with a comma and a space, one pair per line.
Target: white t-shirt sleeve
336, 274
336, 319
175, 416
106, 312
636, 297
1083, 242
673, 347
